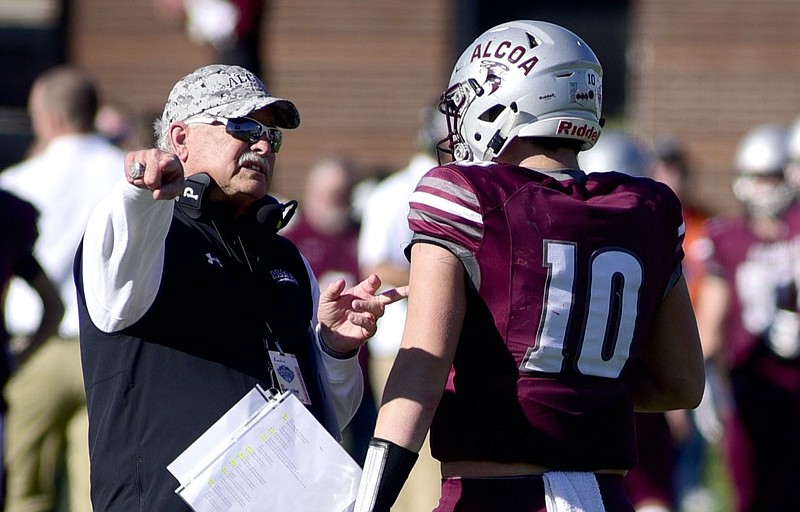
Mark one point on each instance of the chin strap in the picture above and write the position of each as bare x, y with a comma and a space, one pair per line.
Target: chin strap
386, 469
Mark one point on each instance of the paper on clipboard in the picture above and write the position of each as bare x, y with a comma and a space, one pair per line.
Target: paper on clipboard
267, 452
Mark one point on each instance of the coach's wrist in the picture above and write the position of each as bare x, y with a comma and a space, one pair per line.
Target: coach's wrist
348, 354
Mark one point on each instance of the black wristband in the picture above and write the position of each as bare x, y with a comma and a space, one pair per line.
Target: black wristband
386, 469
333, 353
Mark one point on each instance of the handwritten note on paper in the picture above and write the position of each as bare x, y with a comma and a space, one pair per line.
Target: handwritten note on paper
275, 456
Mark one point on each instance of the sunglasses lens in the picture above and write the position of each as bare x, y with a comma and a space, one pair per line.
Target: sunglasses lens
248, 130
275, 139
243, 129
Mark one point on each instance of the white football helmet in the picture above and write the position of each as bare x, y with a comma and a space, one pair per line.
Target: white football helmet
616, 151
763, 153
522, 79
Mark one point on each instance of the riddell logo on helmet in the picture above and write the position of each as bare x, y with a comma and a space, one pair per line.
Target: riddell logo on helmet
583, 131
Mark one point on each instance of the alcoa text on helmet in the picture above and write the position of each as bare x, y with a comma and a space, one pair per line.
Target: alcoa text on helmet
522, 79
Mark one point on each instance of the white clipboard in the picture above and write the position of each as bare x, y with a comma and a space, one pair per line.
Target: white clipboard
268, 452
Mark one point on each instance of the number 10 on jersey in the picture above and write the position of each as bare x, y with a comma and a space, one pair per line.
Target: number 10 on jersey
615, 277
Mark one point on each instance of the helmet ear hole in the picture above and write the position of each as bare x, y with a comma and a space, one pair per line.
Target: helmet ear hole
490, 114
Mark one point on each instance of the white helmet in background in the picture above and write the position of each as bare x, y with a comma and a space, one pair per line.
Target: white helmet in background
616, 151
763, 151
522, 79
760, 163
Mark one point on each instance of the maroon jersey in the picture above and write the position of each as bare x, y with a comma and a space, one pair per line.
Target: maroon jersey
331, 256
763, 276
565, 278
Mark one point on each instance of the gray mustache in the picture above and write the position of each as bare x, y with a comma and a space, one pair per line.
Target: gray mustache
253, 158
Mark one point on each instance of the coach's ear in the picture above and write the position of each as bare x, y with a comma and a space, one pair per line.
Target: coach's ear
178, 135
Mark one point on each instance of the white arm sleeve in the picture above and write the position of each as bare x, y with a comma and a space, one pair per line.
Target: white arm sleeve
344, 375
123, 256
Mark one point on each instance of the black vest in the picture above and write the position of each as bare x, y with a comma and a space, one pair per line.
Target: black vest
156, 386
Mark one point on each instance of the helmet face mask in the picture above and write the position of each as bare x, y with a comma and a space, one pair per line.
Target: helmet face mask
523, 78
455, 101
764, 197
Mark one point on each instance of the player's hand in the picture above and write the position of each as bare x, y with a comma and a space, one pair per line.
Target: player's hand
349, 317
155, 170
710, 415
783, 335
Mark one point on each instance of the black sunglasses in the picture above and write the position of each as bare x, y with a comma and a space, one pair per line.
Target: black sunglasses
245, 129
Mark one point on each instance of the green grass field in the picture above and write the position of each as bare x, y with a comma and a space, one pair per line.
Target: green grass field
717, 481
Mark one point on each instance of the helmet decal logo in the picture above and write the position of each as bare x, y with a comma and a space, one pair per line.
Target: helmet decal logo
576, 96
583, 131
505, 51
494, 74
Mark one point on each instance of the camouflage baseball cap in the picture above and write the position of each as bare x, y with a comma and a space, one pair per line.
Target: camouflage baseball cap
225, 91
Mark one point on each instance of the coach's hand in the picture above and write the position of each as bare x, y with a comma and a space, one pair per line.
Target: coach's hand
349, 317
155, 170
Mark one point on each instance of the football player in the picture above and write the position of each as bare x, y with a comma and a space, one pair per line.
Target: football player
747, 312
546, 304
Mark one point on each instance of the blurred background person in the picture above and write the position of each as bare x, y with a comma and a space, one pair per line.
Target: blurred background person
72, 168
326, 233
18, 233
616, 151
384, 235
671, 166
123, 127
231, 27
747, 313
